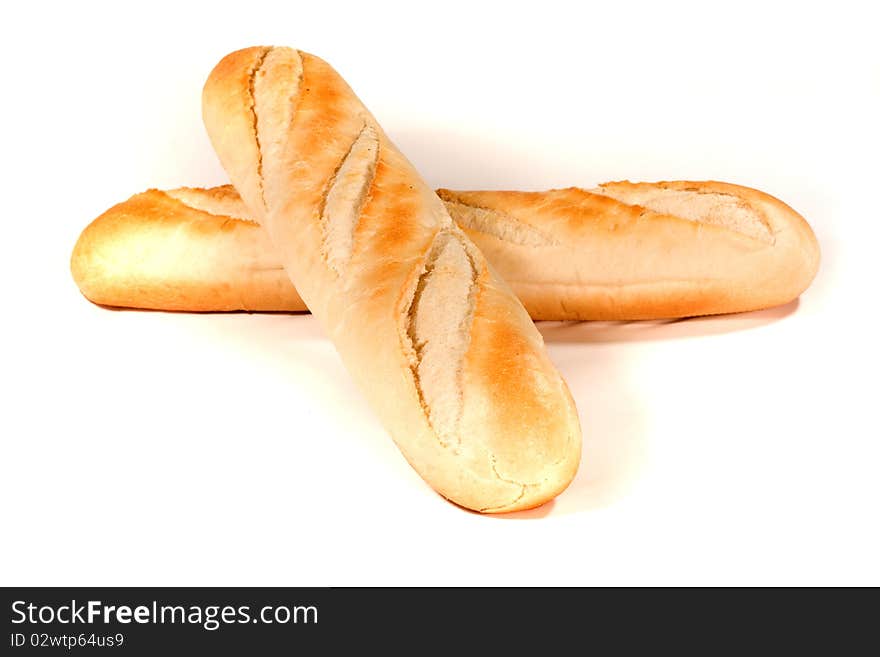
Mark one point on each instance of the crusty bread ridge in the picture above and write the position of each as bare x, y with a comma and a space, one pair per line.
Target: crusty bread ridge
440, 346
621, 251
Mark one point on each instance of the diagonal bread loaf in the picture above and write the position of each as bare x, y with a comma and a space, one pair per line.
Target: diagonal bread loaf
443, 350
621, 251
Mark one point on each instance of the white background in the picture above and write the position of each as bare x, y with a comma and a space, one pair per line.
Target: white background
153, 448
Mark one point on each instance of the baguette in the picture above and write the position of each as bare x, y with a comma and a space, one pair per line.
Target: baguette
440, 346
619, 252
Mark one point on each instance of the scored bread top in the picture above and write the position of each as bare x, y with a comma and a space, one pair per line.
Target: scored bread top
704, 204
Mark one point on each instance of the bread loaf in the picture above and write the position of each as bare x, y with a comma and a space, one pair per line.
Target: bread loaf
620, 251
440, 346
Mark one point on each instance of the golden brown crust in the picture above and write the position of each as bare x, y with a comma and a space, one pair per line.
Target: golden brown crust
567, 254
366, 242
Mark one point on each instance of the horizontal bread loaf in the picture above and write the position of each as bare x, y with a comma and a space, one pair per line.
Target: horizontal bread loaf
642, 250
442, 349
620, 251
